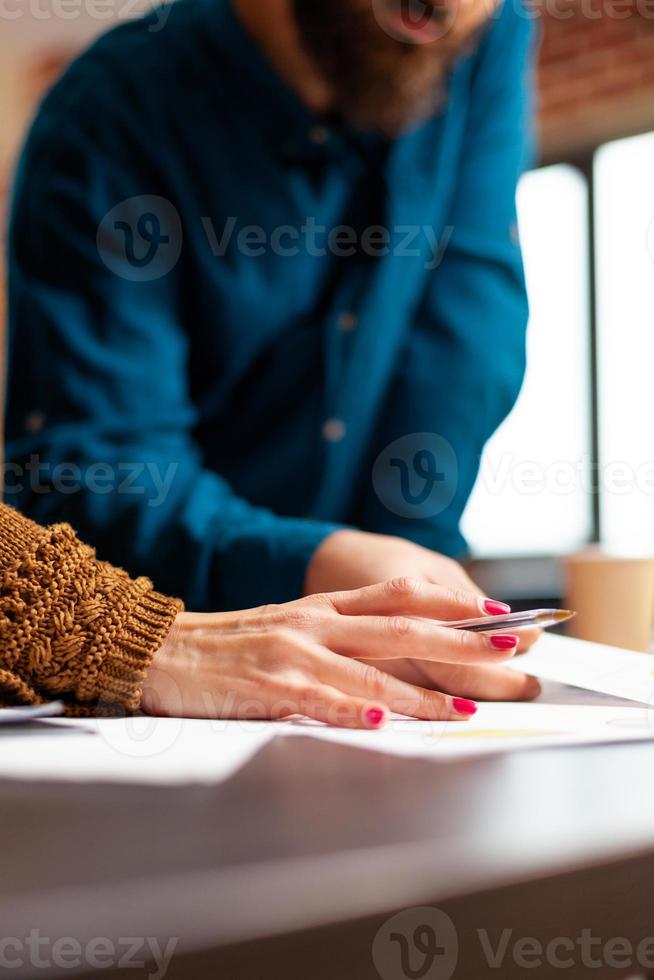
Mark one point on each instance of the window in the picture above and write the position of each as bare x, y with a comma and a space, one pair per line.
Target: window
532, 493
624, 194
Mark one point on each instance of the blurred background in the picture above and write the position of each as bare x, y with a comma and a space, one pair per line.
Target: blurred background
574, 463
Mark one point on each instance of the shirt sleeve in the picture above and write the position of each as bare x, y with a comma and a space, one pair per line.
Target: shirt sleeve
101, 417
72, 627
463, 365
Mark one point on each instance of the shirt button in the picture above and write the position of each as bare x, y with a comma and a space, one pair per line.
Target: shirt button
334, 430
34, 422
347, 322
319, 135
514, 234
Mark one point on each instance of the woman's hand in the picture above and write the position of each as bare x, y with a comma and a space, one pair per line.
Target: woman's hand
304, 658
350, 559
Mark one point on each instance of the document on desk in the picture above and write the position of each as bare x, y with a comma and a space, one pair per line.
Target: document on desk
591, 666
588, 698
163, 751
23, 715
498, 727
175, 751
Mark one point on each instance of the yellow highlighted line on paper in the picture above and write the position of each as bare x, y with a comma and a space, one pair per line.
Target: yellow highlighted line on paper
496, 733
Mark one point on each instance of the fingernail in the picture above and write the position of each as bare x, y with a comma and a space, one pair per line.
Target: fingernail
494, 608
374, 717
503, 642
464, 707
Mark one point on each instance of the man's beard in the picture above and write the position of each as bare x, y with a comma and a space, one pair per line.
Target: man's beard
378, 82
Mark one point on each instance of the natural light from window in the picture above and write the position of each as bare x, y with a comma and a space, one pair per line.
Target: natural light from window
624, 178
532, 493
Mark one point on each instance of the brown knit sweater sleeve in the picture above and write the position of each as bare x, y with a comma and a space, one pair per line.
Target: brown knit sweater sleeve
72, 627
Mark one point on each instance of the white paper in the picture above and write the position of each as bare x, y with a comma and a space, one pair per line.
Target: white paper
20, 715
170, 751
554, 693
131, 750
593, 666
174, 751
498, 727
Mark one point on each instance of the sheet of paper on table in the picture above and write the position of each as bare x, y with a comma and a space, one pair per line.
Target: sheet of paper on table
178, 751
500, 727
591, 666
173, 751
588, 697
131, 750
23, 715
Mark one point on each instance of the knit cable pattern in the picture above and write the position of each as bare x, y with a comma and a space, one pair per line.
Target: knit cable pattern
71, 626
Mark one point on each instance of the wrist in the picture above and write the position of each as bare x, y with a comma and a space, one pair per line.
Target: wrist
328, 558
155, 689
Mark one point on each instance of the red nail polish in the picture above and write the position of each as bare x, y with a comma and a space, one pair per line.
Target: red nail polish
494, 608
374, 717
504, 642
464, 707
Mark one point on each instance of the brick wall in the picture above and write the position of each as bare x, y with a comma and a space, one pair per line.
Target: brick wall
596, 75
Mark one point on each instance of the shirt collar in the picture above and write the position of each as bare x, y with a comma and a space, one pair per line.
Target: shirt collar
292, 128
299, 138
296, 134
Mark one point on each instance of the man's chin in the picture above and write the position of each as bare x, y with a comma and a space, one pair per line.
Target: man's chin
393, 115
378, 83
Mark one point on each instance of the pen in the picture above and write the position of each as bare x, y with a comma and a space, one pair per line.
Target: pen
537, 618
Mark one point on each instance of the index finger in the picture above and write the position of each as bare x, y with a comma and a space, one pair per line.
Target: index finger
415, 597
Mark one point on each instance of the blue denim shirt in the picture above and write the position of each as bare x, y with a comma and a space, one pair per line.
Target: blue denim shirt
235, 326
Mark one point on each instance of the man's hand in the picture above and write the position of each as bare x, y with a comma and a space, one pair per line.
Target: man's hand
353, 559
